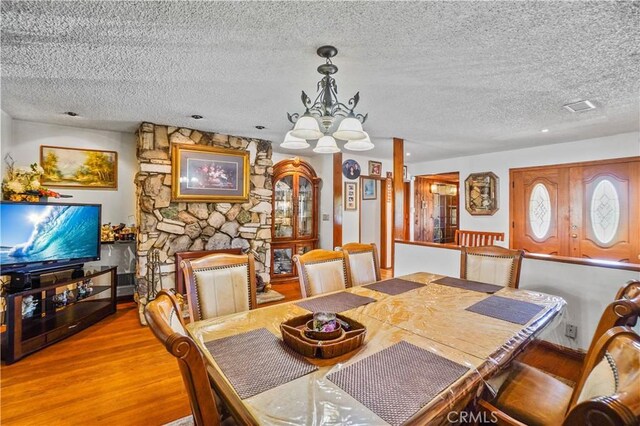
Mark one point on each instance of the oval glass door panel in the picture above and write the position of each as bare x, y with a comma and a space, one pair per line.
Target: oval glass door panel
605, 211
540, 211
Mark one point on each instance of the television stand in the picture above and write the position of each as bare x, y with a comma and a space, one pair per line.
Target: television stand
41, 316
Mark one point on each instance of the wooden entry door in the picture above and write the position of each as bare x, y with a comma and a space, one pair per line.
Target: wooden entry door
583, 210
541, 212
605, 213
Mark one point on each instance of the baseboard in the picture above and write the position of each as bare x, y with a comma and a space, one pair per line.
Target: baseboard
577, 354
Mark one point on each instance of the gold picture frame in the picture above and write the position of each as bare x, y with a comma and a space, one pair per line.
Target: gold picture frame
78, 168
209, 174
481, 194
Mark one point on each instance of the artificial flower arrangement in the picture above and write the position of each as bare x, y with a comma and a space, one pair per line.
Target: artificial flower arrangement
23, 183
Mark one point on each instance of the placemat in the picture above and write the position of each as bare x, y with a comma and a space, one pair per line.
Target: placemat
468, 285
397, 381
394, 286
515, 311
337, 302
257, 361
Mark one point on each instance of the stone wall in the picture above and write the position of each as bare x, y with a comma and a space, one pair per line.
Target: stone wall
178, 226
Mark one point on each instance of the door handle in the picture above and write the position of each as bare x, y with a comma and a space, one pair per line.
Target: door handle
574, 235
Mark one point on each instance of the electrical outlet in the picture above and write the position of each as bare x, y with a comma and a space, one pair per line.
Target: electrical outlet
571, 331
325, 217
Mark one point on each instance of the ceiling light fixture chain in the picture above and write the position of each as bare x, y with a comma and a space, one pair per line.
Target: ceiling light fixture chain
325, 109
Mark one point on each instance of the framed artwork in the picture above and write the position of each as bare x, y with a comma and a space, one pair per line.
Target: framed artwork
369, 189
481, 194
375, 168
350, 196
78, 168
204, 173
351, 169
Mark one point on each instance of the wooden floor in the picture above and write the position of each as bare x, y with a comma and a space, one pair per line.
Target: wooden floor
117, 373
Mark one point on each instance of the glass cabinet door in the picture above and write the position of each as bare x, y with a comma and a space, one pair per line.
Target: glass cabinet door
282, 262
283, 207
305, 207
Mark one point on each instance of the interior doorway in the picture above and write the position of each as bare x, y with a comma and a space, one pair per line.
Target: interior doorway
437, 207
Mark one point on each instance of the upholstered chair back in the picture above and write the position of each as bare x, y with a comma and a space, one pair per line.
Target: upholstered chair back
163, 315
608, 390
219, 284
491, 264
322, 271
364, 266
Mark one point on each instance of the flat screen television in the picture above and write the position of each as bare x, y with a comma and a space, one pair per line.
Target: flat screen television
41, 236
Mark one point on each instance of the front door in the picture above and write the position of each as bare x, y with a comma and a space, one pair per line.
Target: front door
604, 212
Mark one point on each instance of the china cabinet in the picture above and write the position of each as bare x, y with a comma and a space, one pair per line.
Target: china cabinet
295, 215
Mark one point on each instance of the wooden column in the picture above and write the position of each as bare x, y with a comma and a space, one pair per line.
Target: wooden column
337, 200
398, 193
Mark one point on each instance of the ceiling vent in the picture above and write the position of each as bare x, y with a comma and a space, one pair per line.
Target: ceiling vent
581, 106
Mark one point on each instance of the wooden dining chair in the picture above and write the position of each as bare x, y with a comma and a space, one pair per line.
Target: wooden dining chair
219, 284
476, 238
628, 291
364, 266
491, 264
322, 271
165, 321
620, 312
607, 392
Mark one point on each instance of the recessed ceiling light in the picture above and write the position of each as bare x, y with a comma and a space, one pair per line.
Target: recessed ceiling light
408, 154
544, 130
580, 106
260, 127
71, 114
197, 117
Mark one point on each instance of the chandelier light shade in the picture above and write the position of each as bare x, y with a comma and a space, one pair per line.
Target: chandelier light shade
307, 128
291, 142
360, 144
326, 145
350, 129
326, 109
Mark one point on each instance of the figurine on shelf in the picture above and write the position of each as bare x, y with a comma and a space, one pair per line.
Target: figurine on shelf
64, 298
28, 306
84, 289
106, 233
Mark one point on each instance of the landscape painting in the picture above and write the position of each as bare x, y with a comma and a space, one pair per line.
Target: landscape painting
78, 168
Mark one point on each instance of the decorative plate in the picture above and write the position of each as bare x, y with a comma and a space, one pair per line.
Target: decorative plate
351, 169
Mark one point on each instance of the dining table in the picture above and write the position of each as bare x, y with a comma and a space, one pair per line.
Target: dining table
432, 343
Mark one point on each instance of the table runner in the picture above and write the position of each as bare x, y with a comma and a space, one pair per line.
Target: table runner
397, 381
257, 361
468, 285
394, 286
515, 311
337, 302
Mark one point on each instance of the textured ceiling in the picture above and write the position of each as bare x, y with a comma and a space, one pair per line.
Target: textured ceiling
451, 78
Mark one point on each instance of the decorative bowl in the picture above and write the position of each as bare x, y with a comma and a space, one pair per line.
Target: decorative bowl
311, 333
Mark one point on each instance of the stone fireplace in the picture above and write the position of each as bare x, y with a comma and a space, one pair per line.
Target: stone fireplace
178, 226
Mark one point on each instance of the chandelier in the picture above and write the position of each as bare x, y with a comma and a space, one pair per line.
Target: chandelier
325, 110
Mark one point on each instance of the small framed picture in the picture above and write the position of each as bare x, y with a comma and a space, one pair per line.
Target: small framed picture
375, 168
369, 189
351, 196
